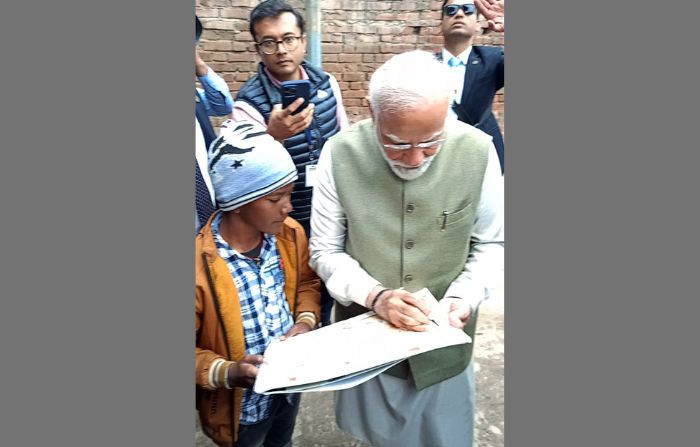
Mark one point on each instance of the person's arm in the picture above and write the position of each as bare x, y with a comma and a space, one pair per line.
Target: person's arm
308, 302
494, 12
242, 111
345, 279
216, 95
484, 266
282, 123
213, 371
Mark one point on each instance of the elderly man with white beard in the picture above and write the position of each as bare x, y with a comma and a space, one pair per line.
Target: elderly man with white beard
405, 200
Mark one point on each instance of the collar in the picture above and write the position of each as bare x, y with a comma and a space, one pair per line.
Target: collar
206, 234
277, 83
463, 56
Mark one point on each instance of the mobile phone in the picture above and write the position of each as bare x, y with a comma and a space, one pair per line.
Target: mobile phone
291, 90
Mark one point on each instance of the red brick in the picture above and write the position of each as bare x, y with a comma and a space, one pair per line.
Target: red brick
354, 94
362, 28
408, 16
381, 58
235, 13
241, 57
385, 16
219, 24
335, 38
366, 48
331, 48
386, 30
353, 5
430, 15
332, 67
368, 38
207, 12
350, 58
353, 77
217, 45
378, 6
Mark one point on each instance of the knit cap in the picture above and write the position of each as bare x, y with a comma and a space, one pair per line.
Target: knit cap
246, 163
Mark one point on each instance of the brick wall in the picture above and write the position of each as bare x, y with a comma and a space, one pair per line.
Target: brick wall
357, 37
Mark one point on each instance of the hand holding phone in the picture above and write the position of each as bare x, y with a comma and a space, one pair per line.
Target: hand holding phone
291, 90
283, 123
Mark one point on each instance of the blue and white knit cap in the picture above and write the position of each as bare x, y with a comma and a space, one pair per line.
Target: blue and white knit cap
246, 163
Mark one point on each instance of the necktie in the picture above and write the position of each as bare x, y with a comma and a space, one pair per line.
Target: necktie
455, 62
202, 198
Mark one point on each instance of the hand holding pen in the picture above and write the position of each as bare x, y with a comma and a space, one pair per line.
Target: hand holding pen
399, 307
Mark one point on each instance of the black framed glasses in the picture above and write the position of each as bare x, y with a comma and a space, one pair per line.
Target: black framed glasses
467, 8
269, 46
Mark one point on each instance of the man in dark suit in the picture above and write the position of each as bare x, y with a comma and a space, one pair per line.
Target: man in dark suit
477, 71
214, 99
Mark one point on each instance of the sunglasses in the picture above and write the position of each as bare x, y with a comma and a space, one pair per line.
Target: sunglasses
468, 8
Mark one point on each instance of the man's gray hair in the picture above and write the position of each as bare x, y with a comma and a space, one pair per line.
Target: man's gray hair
406, 80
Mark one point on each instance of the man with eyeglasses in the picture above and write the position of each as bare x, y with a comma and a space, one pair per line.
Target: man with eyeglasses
405, 200
476, 72
278, 32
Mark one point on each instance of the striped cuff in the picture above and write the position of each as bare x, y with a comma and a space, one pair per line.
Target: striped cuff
307, 318
218, 374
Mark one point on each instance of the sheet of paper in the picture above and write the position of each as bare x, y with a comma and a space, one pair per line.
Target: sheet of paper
341, 350
339, 383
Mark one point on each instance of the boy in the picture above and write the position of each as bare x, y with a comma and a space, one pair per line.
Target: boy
253, 284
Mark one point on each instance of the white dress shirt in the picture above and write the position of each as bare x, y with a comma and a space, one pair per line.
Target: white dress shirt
200, 154
457, 74
348, 282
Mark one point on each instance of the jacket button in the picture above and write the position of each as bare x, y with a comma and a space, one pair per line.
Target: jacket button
409, 244
410, 207
408, 278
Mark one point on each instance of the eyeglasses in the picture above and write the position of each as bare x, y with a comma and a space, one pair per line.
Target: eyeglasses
435, 144
468, 8
269, 46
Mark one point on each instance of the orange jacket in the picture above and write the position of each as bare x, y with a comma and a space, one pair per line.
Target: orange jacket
218, 321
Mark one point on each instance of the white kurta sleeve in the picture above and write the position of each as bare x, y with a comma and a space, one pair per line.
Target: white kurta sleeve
346, 281
484, 266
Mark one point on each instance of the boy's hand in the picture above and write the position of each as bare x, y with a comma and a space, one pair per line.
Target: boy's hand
298, 328
243, 372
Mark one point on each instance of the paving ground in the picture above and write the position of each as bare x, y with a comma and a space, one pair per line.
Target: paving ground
316, 427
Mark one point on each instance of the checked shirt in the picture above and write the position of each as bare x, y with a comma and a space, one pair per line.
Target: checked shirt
264, 308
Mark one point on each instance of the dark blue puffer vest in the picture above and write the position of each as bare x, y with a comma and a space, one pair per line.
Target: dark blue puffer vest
260, 93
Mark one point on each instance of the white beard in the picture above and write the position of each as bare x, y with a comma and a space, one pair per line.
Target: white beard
405, 172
